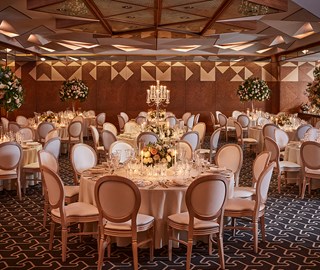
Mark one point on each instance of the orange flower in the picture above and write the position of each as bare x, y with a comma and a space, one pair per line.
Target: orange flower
153, 151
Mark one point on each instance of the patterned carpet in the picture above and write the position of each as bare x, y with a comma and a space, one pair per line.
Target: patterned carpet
292, 232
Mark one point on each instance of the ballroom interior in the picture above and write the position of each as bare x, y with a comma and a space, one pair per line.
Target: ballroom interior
201, 51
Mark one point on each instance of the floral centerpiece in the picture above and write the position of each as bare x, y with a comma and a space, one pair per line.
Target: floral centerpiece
73, 90
11, 90
152, 114
48, 117
253, 89
282, 119
161, 130
313, 89
159, 152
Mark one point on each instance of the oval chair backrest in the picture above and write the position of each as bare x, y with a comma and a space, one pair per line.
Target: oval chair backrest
217, 116
10, 156
125, 116
43, 129
261, 121
121, 122
206, 196
131, 127
22, 121
172, 120
140, 119
54, 187
196, 119
243, 120
147, 137
53, 133
268, 130
223, 120
239, 131
142, 113
271, 146
230, 156
301, 131
75, 129
259, 164
100, 119
235, 114
201, 129
190, 122
53, 146
214, 139
311, 134
111, 127
192, 137
263, 184
83, 157
120, 147
48, 160
281, 138
213, 119
310, 155
13, 126
107, 139
95, 136
26, 133
186, 147
185, 117
118, 199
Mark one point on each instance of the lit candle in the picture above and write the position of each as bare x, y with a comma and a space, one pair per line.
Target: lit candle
276, 120
148, 95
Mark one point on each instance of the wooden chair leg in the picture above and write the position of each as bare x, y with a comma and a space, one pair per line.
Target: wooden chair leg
255, 236
135, 254
52, 227
189, 252
263, 228
64, 237
102, 247
170, 232
221, 251
304, 183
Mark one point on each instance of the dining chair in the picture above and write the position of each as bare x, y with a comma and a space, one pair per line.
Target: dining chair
22, 121
125, 116
261, 121
186, 147
185, 117
122, 148
259, 164
252, 209
196, 119
82, 157
121, 123
217, 113
244, 142
66, 215
192, 137
131, 127
244, 121
205, 199
11, 161
111, 127
201, 129
13, 126
78, 118
310, 158
75, 131
311, 134
146, 137
53, 147
107, 139
282, 139
96, 144
143, 113
268, 130
100, 120
214, 140
190, 122
223, 121
118, 200
53, 133
283, 165
172, 120
301, 131
27, 134
140, 119
230, 156
43, 129
317, 124
48, 160
235, 114
215, 124
5, 123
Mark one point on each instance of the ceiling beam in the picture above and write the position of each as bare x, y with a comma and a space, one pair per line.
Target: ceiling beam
35, 4
281, 5
96, 12
215, 16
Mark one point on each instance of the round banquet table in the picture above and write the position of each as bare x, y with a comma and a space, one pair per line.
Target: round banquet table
157, 201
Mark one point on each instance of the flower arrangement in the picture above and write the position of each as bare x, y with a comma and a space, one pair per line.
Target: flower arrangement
74, 89
253, 89
161, 130
11, 90
282, 119
313, 89
48, 117
152, 114
159, 152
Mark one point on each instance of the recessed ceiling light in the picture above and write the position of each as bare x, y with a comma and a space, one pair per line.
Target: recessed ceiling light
126, 7
42, 59
305, 51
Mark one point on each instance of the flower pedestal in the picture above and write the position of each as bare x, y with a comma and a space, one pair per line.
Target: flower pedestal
252, 105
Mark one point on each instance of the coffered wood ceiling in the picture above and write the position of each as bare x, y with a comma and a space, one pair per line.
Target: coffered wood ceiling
160, 29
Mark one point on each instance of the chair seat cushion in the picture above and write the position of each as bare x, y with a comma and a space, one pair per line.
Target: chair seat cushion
243, 192
249, 140
183, 218
240, 204
289, 164
70, 191
34, 165
8, 172
142, 220
314, 172
77, 209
